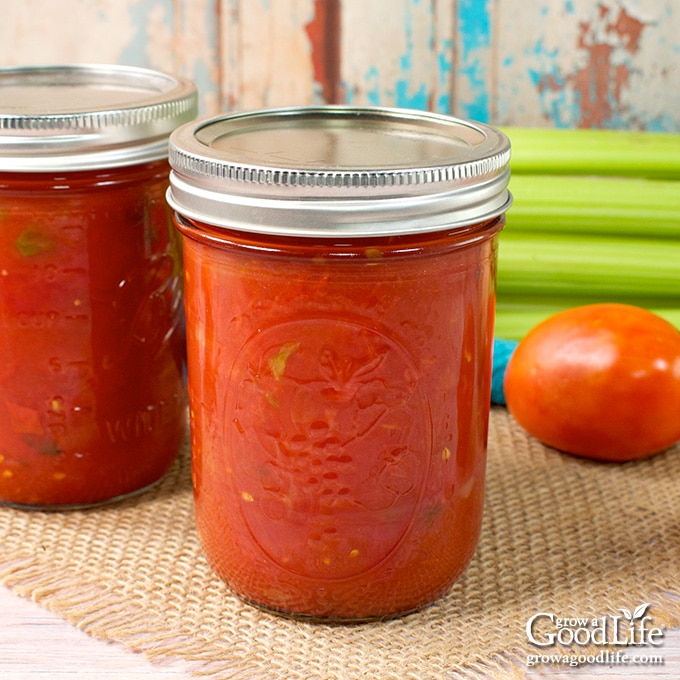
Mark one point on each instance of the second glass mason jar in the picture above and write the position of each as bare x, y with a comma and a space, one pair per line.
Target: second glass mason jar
339, 272
92, 379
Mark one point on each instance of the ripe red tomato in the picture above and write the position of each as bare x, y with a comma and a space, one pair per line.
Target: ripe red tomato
600, 381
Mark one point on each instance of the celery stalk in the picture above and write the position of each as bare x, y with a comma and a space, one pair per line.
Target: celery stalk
595, 205
594, 152
567, 264
513, 322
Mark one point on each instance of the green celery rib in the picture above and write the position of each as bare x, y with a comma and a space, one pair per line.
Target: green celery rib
595, 205
514, 321
576, 265
594, 152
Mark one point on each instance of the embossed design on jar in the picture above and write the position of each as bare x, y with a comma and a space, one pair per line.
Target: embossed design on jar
328, 434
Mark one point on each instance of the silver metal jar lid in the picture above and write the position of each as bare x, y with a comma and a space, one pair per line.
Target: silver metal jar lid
83, 117
338, 171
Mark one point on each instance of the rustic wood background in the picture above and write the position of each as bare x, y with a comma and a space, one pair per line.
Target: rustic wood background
556, 63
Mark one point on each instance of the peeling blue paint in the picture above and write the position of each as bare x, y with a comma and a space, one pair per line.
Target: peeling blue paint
444, 60
541, 50
373, 94
405, 62
136, 50
474, 22
445, 70
558, 103
664, 123
406, 99
404, 96
443, 104
201, 77
474, 30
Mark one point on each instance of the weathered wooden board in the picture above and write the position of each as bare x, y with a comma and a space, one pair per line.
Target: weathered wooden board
564, 63
612, 63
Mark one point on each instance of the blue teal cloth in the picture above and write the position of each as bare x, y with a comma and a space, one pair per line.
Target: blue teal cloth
502, 350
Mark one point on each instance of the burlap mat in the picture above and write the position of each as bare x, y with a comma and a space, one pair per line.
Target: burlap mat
561, 535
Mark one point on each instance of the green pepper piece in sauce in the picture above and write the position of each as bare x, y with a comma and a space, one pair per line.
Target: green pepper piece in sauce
32, 242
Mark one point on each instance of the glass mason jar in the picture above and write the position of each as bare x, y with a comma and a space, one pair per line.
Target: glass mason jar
339, 272
92, 379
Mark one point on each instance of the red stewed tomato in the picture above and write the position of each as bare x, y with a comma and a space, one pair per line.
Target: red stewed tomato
600, 381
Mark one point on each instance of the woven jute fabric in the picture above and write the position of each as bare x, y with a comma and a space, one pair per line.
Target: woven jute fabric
562, 535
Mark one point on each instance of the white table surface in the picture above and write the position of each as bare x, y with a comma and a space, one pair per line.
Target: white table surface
38, 645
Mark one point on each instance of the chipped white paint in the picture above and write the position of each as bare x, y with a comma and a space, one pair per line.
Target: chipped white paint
160, 49
266, 53
64, 31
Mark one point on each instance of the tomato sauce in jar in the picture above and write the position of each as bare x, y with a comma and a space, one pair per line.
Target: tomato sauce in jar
92, 380
339, 272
